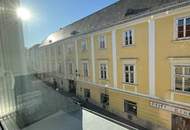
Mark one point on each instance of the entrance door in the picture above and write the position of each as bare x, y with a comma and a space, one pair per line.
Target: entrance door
72, 87
180, 123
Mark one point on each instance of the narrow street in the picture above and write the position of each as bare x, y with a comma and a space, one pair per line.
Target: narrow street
40, 107
54, 111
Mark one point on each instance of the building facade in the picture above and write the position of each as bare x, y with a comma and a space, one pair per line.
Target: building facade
134, 62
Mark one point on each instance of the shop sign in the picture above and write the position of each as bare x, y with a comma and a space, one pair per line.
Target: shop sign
170, 108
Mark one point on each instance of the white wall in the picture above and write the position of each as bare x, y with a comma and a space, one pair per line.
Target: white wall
94, 122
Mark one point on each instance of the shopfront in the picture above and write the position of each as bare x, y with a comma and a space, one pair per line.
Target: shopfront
180, 116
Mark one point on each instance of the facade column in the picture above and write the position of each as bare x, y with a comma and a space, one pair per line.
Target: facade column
77, 59
151, 56
93, 59
114, 60
64, 59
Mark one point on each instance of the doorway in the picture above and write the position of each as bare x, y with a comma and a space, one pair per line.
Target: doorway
72, 86
180, 123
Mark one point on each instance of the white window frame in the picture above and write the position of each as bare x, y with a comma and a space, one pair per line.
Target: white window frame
59, 50
85, 62
105, 63
59, 68
130, 62
133, 39
84, 43
177, 62
184, 27
70, 64
69, 48
100, 38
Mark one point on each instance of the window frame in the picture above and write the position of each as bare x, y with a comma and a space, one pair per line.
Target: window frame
177, 62
124, 38
129, 62
84, 42
59, 50
183, 78
104, 97
70, 48
87, 93
184, 27
106, 65
70, 64
85, 62
105, 41
126, 109
129, 73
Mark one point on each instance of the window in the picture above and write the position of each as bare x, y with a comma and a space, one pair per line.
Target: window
183, 28
129, 73
85, 69
59, 50
87, 93
130, 107
69, 49
70, 65
102, 41
84, 45
103, 71
128, 38
104, 98
182, 78
59, 68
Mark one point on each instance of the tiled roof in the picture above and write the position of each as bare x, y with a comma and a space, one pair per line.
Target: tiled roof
119, 11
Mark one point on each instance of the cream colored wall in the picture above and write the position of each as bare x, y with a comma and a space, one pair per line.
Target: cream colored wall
167, 47
144, 110
84, 55
139, 52
70, 57
94, 91
103, 55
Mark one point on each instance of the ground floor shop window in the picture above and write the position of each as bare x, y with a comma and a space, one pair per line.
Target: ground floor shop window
87, 93
180, 123
130, 107
104, 100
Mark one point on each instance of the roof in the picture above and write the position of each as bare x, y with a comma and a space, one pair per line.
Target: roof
119, 11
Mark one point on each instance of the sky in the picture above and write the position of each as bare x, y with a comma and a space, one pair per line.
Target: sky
49, 15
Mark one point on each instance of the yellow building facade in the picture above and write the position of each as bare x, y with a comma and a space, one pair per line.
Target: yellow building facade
138, 69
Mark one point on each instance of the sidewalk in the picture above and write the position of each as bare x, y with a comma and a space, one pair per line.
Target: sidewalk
109, 116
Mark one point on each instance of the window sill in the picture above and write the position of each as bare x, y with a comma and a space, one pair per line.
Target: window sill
181, 39
102, 48
128, 46
130, 84
104, 79
84, 50
181, 92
